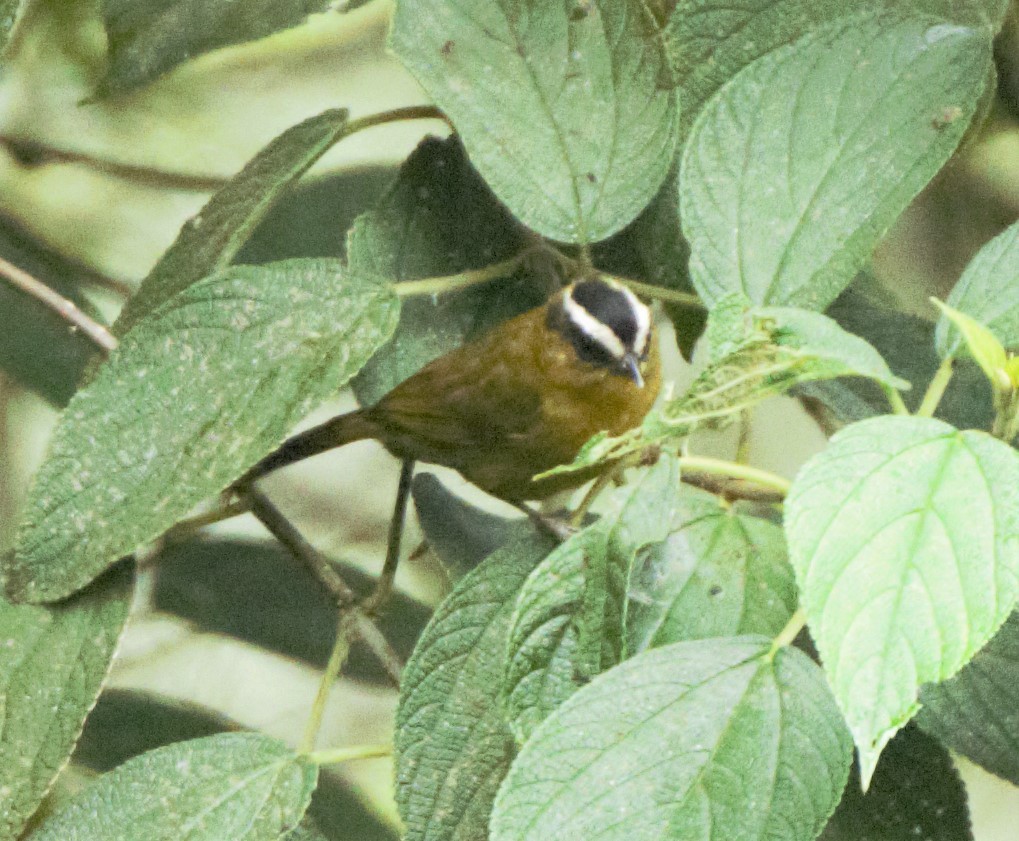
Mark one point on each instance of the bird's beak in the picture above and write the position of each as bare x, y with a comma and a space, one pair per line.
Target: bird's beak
631, 364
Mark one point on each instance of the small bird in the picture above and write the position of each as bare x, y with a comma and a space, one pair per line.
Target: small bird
519, 400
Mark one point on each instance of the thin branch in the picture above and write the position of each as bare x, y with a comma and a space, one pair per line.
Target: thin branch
363, 627
65, 309
733, 481
461, 280
331, 756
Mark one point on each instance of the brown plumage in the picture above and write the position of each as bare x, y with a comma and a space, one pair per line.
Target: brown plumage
515, 402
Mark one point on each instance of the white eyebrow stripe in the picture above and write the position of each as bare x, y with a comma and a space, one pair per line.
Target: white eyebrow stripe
642, 315
592, 327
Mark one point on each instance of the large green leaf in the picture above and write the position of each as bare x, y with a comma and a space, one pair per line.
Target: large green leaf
147, 38
720, 572
560, 105
976, 713
710, 41
916, 793
569, 623
241, 786
207, 384
439, 218
986, 292
452, 743
802, 161
52, 664
904, 534
541, 646
208, 241
711, 739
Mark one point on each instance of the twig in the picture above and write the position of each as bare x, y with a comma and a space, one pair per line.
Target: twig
360, 625
733, 480
331, 756
461, 280
659, 293
384, 586
67, 310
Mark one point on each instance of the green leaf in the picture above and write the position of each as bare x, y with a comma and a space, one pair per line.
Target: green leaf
640, 518
800, 163
207, 384
984, 346
241, 786
570, 619
976, 712
208, 242
986, 293
461, 534
907, 343
719, 573
903, 534
52, 664
148, 38
452, 743
542, 641
439, 218
832, 351
560, 105
710, 41
916, 793
709, 739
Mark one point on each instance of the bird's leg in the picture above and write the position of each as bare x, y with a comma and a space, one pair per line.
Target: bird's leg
384, 586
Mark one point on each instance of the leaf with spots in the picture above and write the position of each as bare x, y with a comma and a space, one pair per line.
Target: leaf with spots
720, 572
241, 786
206, 385
53, 661
561, 106
800, 163
713, 739
453, 745
903, 535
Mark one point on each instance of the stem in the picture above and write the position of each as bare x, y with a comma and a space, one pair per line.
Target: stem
384, 586
65, 309
936, 389
366, 630
462, 280
754, 476
409, 112
791, 630
334, 755
659, 293
338, 656
189, 525
600, 484
895, 400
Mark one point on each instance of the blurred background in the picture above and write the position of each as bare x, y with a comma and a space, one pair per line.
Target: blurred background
229, 632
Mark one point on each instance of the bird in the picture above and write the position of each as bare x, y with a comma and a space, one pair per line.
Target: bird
517, 401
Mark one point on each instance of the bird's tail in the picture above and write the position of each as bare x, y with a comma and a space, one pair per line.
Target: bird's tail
343, 429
